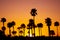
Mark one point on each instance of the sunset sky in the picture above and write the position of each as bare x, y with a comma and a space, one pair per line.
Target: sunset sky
19, 11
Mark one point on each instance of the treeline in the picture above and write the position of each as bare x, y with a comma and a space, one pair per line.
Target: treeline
31, 25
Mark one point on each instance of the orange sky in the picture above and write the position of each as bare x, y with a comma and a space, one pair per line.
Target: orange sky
19, 11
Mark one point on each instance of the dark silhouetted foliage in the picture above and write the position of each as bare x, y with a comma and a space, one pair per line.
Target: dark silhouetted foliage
40, 25
48, 22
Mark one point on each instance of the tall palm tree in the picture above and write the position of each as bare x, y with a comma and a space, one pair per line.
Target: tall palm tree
31, 25
23, 26
40, 25
56, 24
48, 22
33, 13
9, 25
3, 20
13, 24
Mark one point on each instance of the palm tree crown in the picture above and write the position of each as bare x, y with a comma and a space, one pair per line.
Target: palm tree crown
40, 25
56, 23
23, 25
13, 23
33, 12
48, 21
9, 25
3, 20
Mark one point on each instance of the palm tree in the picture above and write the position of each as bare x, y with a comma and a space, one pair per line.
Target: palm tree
23, 26
28, 29
14, 32
13, 24
19, 30
48, 22
52, 32
3, 20
31, 25
40, 25
56, 24
33, 13
9, 25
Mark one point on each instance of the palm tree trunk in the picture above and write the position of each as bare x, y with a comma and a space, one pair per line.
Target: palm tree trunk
9, 32
29, 32
34, 27
24, 31
49, 30
57, 31
39, 31
3, 30
13, 28
19, 31
3, 23
3, 26
34, 32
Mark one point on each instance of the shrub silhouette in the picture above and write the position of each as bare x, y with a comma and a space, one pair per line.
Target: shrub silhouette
52, 32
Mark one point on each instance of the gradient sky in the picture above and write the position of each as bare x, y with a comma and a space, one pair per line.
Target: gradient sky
19, 11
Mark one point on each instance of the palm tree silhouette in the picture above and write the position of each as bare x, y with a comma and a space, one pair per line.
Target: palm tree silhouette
52, 32
21, 32
28, 29
3, 28
13, 24
33, 13
19, 29
31, 25
48, 22
40, 25
9, 25
23, 26
56, 24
